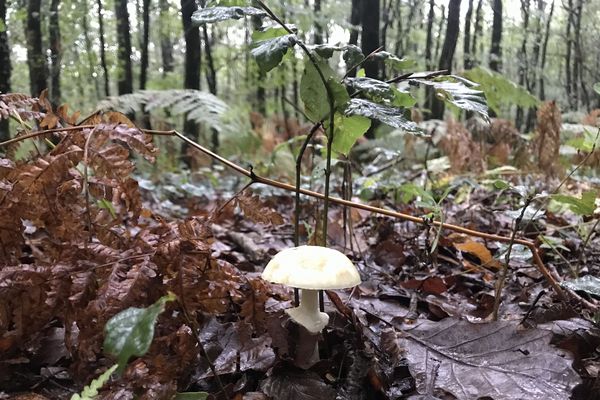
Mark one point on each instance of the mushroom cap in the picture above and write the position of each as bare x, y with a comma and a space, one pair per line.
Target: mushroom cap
312, 267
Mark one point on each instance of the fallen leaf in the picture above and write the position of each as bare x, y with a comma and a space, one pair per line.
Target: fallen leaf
489, 360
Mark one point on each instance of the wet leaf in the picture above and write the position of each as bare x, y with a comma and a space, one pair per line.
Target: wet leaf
480, 251
580, 206
372, 88
269, 53
216, 14
296, 384
589, 284
494, 360
392, 116
130, 332
347, 131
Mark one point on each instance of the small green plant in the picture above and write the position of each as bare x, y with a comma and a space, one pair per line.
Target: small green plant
130, 333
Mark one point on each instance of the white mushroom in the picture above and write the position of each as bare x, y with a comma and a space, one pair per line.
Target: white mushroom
311, 268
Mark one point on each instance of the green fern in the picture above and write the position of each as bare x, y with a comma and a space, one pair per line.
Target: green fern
91, 391
198, 106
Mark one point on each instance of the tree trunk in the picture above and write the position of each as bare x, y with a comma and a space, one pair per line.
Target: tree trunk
370, 36
568, 58
145, 40
36, 56
166, 44
211, 72
124, 72
523, 61
438, 41
387, 13
318, 39
467, 62
429, 40
193, 58
542, 92
398, 50
354, 21
5, 67
477, 31
103, 49
452, 30
261, 95
579, 82
532, 79
496, 46
89, 52
55, 53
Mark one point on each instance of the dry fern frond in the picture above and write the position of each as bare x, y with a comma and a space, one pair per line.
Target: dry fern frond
547, 139
463, 152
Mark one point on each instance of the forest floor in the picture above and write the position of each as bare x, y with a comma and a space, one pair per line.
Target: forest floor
419, 326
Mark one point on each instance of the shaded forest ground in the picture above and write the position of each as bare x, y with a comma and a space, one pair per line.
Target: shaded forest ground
84, 238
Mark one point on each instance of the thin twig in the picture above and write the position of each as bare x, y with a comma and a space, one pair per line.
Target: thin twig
361, 62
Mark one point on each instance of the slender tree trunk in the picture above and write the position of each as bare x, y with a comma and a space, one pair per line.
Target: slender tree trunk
318, 39
398, 49
211, 72
532, 79
145, 42
450, 40
582, 92
568, 58
496, 46
440, 29
542, 92
354, 21
89, 52
370, 36
429, 40
261, 95
55, 53
5, 67
103, 48
124, 72
166, 44
467, 62
523, 58
477, 31
36, 57
193, 58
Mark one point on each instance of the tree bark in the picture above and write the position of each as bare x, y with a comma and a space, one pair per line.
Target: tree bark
193, 58
438, 41
523, 58
36, 57
370, 36
103, 49
89, 52
467, 62
55, 53
477, 31
124, 71
354, 21
542, 91
496, 46
450, 40
166, 44
318, 38
429, 40
579, 81
5, 67
145, 41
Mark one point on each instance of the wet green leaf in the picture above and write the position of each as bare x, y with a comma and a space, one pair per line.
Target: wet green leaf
392, 116
210, 15
347, 131
580, 206
130, 332
269, 53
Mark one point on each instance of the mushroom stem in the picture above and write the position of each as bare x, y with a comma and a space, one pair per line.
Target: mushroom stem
308, 314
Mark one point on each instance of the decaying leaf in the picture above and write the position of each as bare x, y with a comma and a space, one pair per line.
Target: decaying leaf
496, 360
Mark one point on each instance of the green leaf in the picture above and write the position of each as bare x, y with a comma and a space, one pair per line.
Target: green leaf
107, 205
458, 91
191, 396
268, 33
589, 284
269, 53
391, 116
210, 15
352, 55
314, 94
410, 191
580, 206
91, 391
499, 91
374, 89
402, 98
393, 62
347, 131
597, 87
586, 143
130, 332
